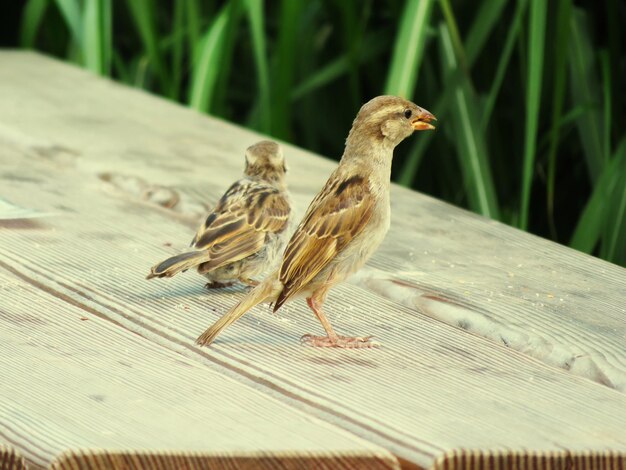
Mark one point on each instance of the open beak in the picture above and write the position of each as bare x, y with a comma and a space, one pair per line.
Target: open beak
422, 122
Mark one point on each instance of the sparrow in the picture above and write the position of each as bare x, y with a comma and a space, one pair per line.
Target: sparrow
246, 232
344, 224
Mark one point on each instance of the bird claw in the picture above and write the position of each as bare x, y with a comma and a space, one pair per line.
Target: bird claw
217, 285
345, 342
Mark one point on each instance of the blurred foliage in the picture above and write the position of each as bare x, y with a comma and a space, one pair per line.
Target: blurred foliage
532, 125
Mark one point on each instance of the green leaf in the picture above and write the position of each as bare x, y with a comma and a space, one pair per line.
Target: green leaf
503, 62
614, 29
455, 36
470, 141
178, 39
142, 13
71, 12
373, 46
487, 17
608, 99
353, 17
614, 242
120, 67
206, 62
409, 48
284, 67
558, 96
254, 10
193, 23
586, 88
34, 12
97, 36
604, 208
482, 26
566, 119
229, 38
536, 45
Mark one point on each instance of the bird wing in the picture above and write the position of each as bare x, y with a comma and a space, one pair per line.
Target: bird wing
238, 225
337, 215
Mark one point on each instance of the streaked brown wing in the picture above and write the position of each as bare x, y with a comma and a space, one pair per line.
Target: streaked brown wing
238, 226
233, 249
339, 213
225, 211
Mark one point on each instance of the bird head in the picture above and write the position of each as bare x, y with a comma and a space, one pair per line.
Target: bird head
265, 160
390, 120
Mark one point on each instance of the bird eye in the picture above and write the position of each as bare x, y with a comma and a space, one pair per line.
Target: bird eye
408, 113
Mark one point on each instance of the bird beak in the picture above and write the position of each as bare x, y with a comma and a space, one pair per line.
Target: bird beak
422, 122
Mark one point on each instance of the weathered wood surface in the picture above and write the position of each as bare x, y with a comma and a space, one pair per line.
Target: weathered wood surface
75, 384
109, 180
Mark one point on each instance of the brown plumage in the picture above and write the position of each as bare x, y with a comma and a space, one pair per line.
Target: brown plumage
246, 231
344, 224
334, 218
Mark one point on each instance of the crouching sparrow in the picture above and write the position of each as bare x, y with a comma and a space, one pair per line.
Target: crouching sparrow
247, 230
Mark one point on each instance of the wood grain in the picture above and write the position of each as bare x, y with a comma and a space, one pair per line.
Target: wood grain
78, 391
562, 307
476, 339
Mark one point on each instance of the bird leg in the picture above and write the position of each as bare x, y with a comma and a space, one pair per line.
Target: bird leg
332, 339
248, 282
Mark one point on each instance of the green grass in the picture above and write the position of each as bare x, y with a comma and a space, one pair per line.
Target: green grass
528, 93
32, 17
558, 98
467, 137
534, 82
207, 61
409, 47
254, 11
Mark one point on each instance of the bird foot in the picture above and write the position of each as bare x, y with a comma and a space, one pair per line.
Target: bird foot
346, 342
217, 285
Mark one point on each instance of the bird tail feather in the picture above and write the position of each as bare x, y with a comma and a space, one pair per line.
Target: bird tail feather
178, 263
266, 290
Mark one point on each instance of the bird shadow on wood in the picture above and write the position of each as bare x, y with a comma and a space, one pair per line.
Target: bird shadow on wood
21, 224
188, 291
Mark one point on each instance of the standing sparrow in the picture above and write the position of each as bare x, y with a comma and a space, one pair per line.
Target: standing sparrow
246, 231
344, 224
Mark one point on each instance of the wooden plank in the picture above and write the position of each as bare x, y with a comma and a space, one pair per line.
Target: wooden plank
540, 298
431, 393
555, 304
77, 390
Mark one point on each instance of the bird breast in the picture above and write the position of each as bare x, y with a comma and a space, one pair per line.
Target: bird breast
363, 246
